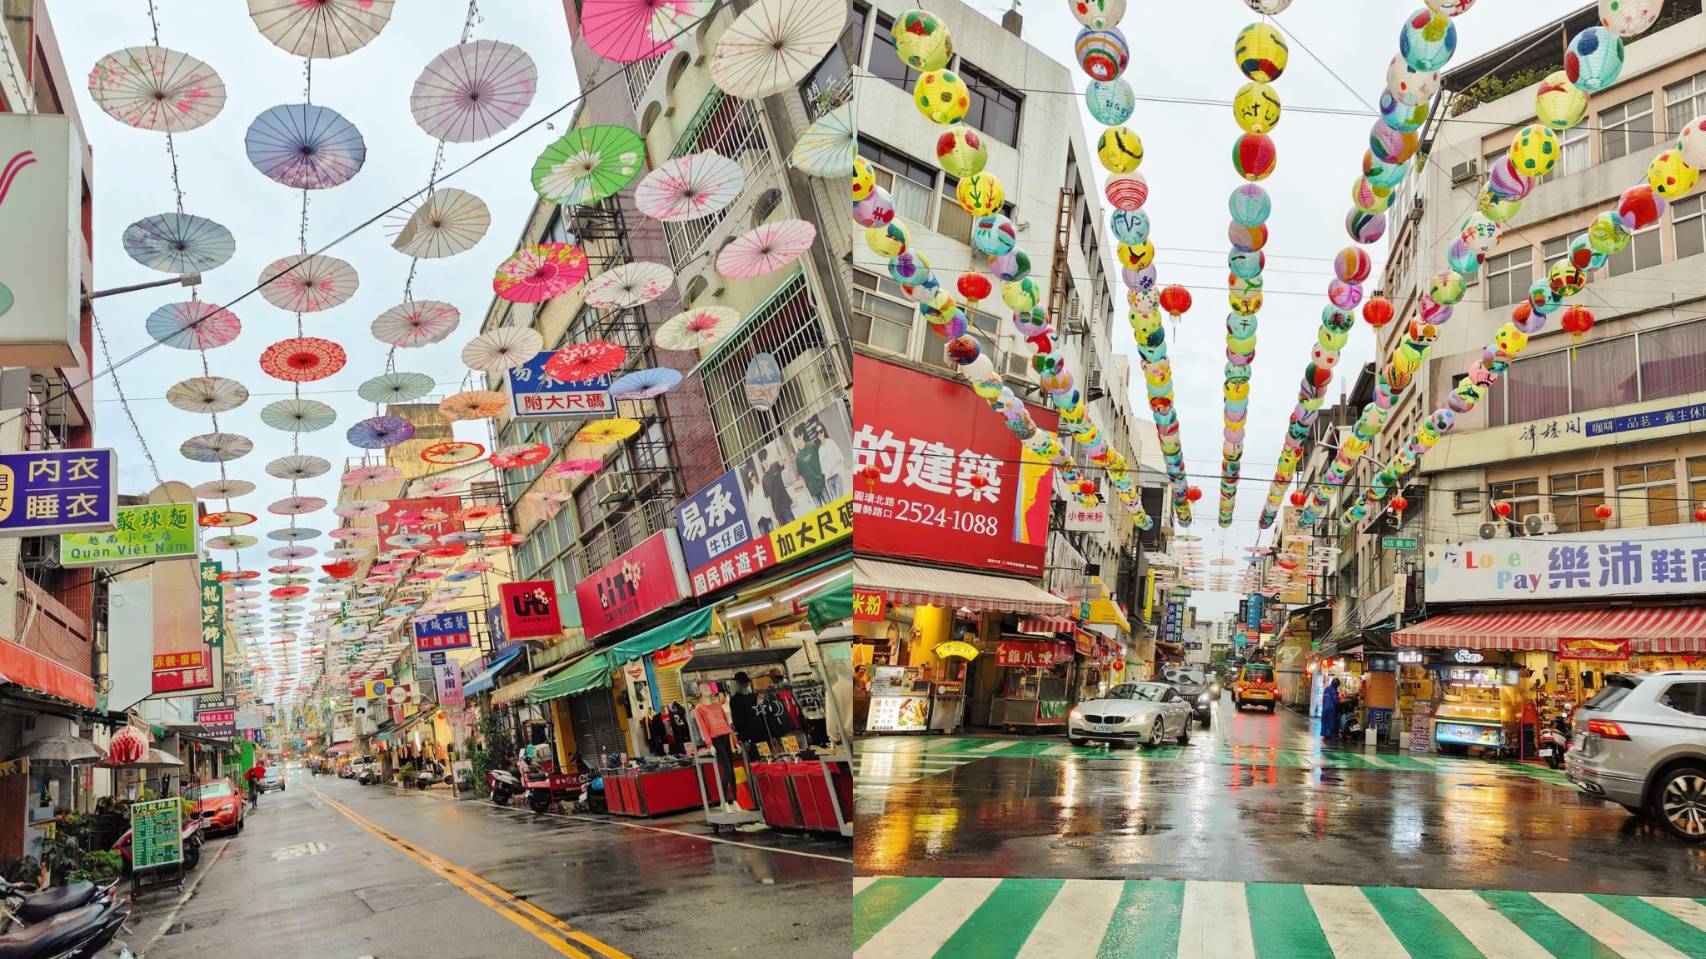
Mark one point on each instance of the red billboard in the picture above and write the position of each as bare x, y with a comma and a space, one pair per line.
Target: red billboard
948, 481
429, 516
641, 581
530, 609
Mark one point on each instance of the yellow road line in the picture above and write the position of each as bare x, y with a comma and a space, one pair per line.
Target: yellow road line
546, 927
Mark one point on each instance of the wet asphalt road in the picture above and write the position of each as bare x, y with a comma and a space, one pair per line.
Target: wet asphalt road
1255, 799
447, 879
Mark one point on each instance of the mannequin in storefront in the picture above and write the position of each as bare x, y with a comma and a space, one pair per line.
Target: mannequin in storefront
715, 729
744, 711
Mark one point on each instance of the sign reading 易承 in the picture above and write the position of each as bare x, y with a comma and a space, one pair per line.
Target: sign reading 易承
57, 491
164, 531
1655, 561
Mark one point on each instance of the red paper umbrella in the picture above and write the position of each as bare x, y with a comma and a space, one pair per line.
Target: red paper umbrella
227, 520
578, 362
504, 539
237, 575
288, 592
517, 457
447, 551
340, 570
474, 514
453, 452
302, 359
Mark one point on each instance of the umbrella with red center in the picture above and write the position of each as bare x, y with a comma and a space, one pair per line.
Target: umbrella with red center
288, 592
517, 457
579, 362
766, 249
538, 273
302, 359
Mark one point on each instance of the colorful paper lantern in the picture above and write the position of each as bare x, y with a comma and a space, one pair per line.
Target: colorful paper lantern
961, 151
1193, 493
1594, 59
1365, 227
1692, 143
1401, 116
1127, 191
1410, 86
1462, 258
994, 235
864, 177
875, 209
1369, 198
1558, 103
941, 96
1098, 14
1247, 239
1509, 183
1111, 102
1176, 300
1576, 321
1130, 226
1381, 175
1669, 176
1629, 18
1378, 311
1246, 263
1534, 150
1256, 107
1254, 156
1119, 149
1503, 508
980, 194
1102, 53
974, 286
1565, 279
1427, 40
1400, 504
1607, 234
1135, 256
1446, 288
1480, 234
921, 40
1249, 204
887, 240
1640, 207
1261, 52
1389, 145
1352, 264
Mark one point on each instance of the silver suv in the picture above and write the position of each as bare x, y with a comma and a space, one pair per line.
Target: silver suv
1641, 742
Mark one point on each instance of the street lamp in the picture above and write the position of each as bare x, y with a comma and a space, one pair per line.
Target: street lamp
187, 279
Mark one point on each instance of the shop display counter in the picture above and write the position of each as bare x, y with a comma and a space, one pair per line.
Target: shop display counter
639, 791
811, 794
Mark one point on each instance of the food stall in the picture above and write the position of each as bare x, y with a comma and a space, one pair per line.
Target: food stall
1033, 688
1481, 706
899, 699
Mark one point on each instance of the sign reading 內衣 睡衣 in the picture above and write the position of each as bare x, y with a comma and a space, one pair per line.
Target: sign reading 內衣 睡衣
57, 491
1654, 561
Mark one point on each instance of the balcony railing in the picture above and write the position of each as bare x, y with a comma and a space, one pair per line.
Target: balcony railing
735, 129
638, 76
48, 627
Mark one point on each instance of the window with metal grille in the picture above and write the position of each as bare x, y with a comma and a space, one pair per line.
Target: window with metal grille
733, 128
1688, 218
1523, 495
994, 106
1626, 128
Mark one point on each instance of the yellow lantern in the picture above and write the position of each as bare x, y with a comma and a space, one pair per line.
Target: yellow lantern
942, 97
1256, 107
1120, 150
980, 194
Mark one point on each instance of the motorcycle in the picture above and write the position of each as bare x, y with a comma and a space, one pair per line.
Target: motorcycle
75, 933
1555, 740
430, 776
503, 785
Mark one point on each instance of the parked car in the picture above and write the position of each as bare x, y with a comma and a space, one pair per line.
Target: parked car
218, 804
1197, 689
1146, 714
1254, 686
1641, 743
272, 780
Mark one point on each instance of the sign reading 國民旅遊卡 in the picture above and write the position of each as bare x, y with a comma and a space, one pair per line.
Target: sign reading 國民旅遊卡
164, 531
1653, 561
57, 491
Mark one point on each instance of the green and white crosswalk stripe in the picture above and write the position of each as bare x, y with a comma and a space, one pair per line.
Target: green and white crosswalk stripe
917, 918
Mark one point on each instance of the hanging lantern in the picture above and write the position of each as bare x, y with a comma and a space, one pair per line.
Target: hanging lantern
1400, 504
1087, 487
1602, 511
1193, 493
1299, 497
1576, 321
974, 286
1378, 311
870, 474
127, 746
1700, 514
1502, 507
1176, 300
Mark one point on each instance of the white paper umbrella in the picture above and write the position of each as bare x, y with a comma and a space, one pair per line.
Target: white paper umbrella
320, 29
396, 387
472, 91
293, 534
308, 284
298, 416
774, 44
356, 508
232, 541
216, 447
179, 243
629, 285
502, 349
697, 328
153, 88
298, 467
826, 148
297, 505
416, 323
449, 222
223, 489
207, 395
689, 187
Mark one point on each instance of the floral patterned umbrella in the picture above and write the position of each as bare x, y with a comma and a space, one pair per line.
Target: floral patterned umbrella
440, 485
452, 452
292, 552
179, 243
320, 29
774, 44
350, 534
193, 325
233, 541
396, 387
588, 164
223, 489
538, 273
302, 359
298, 467
576, 468
207, 395
629, 285
689, 187
298, 416
697, 328
416, 323
827, 147
645, 384
152, 88
474, 90
517, 457
359, 508
297, 505
380, 432
371, 474
305, 147
449, 222
607, 431
472, 405
308, 284
230, 519
766, 249
216, 447
293, 534
505, 348
344, 553
578, 362
627, 31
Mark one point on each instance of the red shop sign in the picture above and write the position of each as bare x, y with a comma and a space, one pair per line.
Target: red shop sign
938, 476
869, 605
1595, 650
429, 516
1032, 655
530, 609
641, 581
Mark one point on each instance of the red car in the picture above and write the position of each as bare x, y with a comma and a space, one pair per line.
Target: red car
218, 803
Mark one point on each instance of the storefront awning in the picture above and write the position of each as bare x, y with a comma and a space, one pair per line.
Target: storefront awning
831, 604
589, 673
488, 677
1649, 629
1046, 624
909, 585
517, 691
679, 630
37, 673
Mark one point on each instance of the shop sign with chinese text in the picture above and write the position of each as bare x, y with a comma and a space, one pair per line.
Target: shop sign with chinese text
443, 631
641, 581
176, 672
535, 395
448, 681
212, 604
870, 605
165, 531
220, 723
936, 477
156, 833
1655, 561
57, 491
530, 610
825, 526
426, 516
1031, 655
1594, 650
1087, 519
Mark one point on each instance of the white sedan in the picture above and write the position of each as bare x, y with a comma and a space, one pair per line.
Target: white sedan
1143, 713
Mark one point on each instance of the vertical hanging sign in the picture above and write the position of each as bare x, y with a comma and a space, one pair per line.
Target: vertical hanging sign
212, 604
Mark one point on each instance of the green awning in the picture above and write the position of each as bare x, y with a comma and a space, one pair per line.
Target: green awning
589, 673
831, 604
678, 630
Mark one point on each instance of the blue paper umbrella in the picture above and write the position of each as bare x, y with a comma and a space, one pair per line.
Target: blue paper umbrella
178, 243
645, 384
305, 146
379, 432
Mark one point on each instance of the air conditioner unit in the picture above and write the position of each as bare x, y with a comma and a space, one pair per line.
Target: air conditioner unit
1465, 171
1493, 531
1093, 384
1018, 366
611, 488
39, 552
1539, 524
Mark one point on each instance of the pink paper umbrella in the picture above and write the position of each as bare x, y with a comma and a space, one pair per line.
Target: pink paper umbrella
766, 249
472, 91
538, 273
193, 326
630, 30
416, 323
689, 187
584, 467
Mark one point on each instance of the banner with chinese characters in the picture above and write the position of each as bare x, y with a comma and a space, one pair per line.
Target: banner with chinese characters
431, 516
530, 610
1594, 650
177, 672
870, 605
640, 582
443, 631
163, 531
828, 524
212, 604
937, 478
1655, 561
57, 491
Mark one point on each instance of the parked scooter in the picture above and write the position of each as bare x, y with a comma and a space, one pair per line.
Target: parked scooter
503, 785
1555, 740
77, 933
192, 835
430, 775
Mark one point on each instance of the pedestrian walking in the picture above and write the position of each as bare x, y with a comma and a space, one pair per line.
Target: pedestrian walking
253, 778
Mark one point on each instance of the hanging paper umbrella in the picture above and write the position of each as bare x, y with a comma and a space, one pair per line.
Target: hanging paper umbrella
827, 147
538, 273
696, 328
358, 508
298, 467
774, 44
207, 395
192, 326
628, 286
216, 447
576, 468
588, 164
233, 541
223, 489
298, 416
179, 243
396, 387
320, 29
627, 31
368, 475
607, 431
766, 249
152, 88
440, 485
305, 147
503, 540
308, 284
297, 505
452, 452
302, 359
471, 405
579, 362
689, 187
449, 222
293, 534
496, 351
474, 90
514, 457
380, 432
557, 496
416, 323
353, 533
645, 384
343, 553
462, 576
229, 519
461, 536
408, 540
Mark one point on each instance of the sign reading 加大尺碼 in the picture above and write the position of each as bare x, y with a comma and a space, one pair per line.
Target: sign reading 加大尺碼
1654, 561
57, 491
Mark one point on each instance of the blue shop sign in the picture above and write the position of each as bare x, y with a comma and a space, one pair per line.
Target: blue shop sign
712, 522
57, 491
535, 394
1692, 413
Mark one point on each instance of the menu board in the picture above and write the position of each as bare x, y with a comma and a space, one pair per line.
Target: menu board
898, 714
1421, 727
156, 833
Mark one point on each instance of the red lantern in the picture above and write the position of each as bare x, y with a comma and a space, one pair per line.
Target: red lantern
1602, 511
1400, 504
1087, 487
1176, 300
1299, 498
977, 481
1700, 514
974, 286
1502, 508
1378, 311
1576, 321
127, 746
870, 474
1193, 493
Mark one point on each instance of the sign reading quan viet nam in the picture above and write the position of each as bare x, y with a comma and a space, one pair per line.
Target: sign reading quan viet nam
57, 491
1654, 561
156, 833
165, 531
212, 604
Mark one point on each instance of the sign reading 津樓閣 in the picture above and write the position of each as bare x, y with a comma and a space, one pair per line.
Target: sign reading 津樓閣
443, 631
530, 610
640, 582
937, 476
1594, 650
1654, 561
57, 491
155, 531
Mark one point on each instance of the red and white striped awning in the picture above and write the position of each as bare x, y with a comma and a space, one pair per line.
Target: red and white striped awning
1047, 625
1649, 629
909, 585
